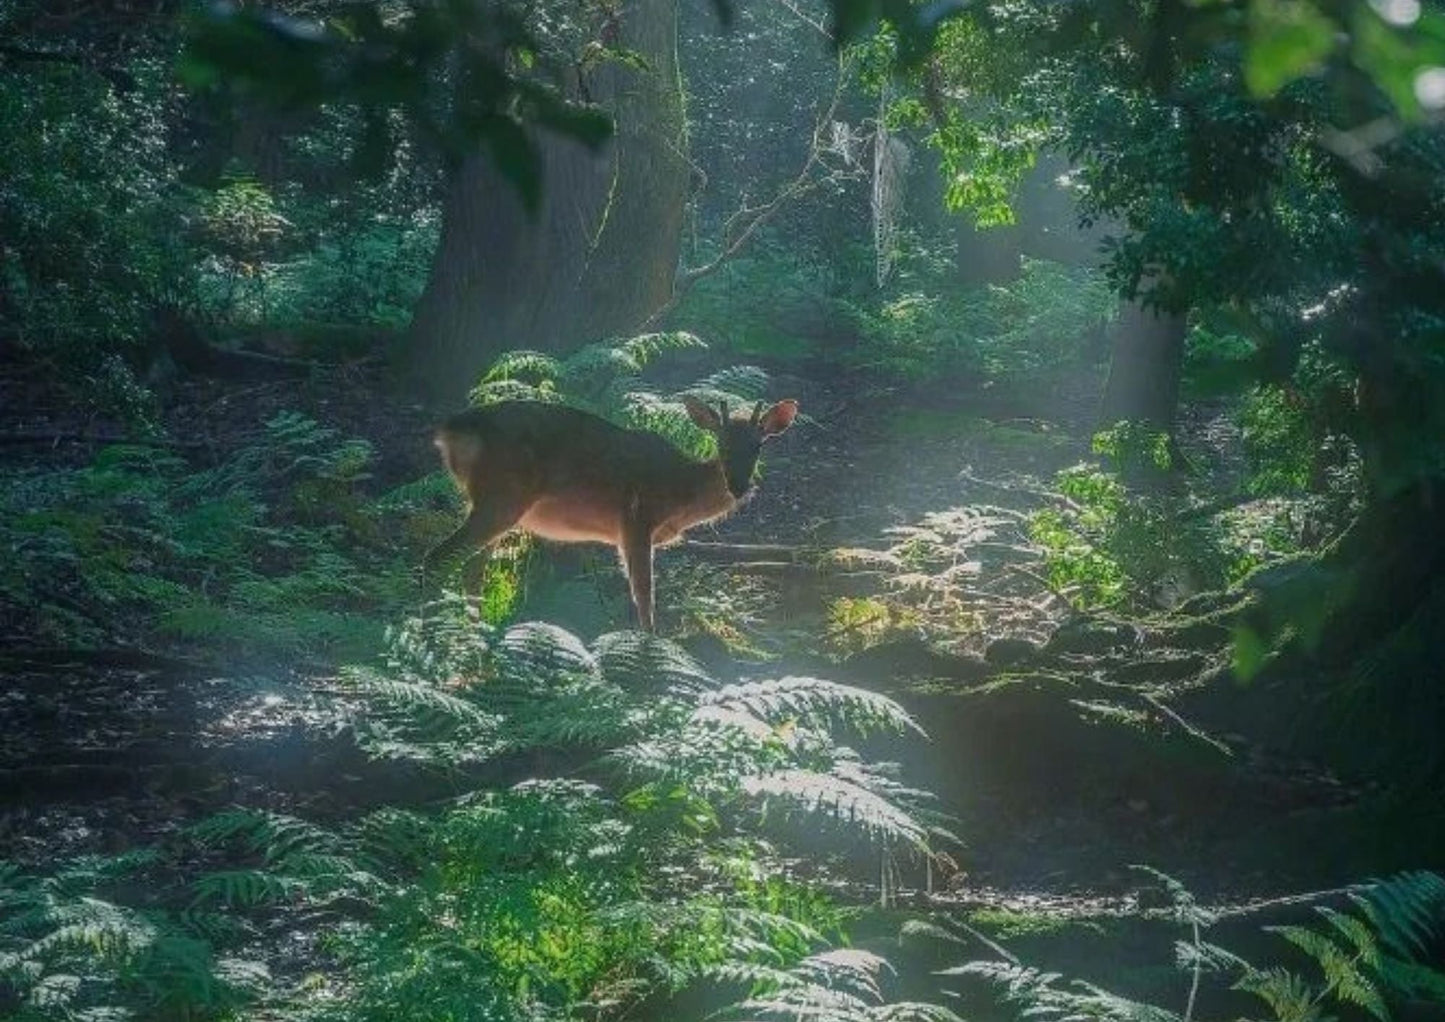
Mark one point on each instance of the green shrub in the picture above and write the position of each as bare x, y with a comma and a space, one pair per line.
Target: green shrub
274, 549
90, 212
1127, 535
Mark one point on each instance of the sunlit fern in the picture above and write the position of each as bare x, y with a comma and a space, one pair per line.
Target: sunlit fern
606, 379
650, 711
840, 985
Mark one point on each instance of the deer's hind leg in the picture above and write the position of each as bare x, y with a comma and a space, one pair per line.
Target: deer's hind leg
485, 524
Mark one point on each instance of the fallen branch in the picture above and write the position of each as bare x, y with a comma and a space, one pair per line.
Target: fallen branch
741, 551
1018, 488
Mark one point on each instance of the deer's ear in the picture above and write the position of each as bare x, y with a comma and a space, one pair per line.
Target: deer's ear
778, 418
705, 417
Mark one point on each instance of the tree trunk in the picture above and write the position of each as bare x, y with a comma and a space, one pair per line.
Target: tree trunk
1143, 384
599, 255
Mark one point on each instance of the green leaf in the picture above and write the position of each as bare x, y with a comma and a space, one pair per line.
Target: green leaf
1250, 651
1395, 56
1287, 39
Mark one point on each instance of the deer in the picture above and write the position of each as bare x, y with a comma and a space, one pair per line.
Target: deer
562, 474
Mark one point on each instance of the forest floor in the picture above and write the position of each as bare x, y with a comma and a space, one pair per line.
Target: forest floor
1067, 749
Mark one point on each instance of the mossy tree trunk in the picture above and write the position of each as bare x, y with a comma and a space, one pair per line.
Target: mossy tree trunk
599, 255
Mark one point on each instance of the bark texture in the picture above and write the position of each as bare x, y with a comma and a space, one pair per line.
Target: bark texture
597, 257
1143, 384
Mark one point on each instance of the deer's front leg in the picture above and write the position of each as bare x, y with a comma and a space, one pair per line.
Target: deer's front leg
636, 551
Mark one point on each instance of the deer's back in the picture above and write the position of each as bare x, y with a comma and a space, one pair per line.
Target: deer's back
575, 473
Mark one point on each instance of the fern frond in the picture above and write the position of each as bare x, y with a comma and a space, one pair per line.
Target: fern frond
841, 801
495, 392
1040, 996
109, 932
425, 707
706, 758
669, 419
645, 347
640, 662
280, 839
1185, 909
915, 1011
815, 701
1287, 994
533, 366
593, 367
246, 888
839, 985
1189, 955
1357, 933
748, 382
1407, 910
397, 836
536, 649
849, 969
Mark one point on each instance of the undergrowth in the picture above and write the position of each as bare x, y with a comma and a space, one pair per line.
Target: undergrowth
276, 548
1135, 530
1383, 953
639, 860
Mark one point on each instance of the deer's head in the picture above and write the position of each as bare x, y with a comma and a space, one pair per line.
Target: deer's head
740, 437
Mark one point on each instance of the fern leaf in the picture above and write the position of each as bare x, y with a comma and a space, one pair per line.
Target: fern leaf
429, 706
497, 391
640, 662
1288, 995
523, 365
841, 801
245, 888
1357, 933
748, 382
1341, 970
645, 347
1407, 910
537, 649
817, 701
914, 1011
1186, 909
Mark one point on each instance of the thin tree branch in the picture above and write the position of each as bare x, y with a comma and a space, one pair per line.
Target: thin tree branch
745, 222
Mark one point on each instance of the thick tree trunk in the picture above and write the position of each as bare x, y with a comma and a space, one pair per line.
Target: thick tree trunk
600, 254
1143, 384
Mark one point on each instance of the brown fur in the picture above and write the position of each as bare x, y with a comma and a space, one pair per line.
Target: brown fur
565, 475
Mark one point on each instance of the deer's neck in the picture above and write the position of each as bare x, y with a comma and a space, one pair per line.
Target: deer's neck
705, 495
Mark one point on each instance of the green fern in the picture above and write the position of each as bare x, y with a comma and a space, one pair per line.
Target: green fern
68, 954
840, 801
1042, 995
1364, 962
1407, 911
812, 701
841, 985
606, 379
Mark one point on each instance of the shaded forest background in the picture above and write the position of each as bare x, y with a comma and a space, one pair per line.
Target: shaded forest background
1119, 336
